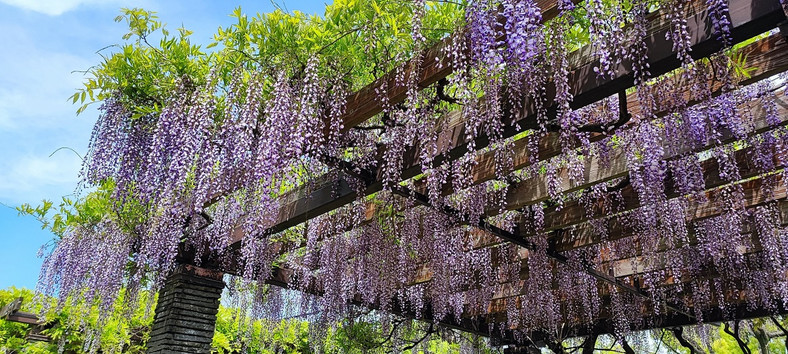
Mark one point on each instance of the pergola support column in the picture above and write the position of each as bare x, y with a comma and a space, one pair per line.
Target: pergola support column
186, 311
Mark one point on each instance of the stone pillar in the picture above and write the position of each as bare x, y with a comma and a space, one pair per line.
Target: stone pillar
186, 311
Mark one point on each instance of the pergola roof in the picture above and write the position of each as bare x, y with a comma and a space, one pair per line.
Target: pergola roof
574, 225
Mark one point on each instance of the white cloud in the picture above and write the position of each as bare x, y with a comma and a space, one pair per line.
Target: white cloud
32, 178
59, 7
50, 7
35, 81
38, 87
36, 118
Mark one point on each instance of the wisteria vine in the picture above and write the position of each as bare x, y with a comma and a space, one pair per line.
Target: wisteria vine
654, 186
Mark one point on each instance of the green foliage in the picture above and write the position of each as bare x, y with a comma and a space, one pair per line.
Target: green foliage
358, 37
356, 40
128, 329
125, 329
144, 73
86, 211
12, 335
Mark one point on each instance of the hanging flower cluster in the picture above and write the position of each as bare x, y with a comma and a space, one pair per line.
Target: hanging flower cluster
654, 188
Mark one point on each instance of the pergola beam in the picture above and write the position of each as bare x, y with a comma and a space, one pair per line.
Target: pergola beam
750, 17
768, 56
431, 65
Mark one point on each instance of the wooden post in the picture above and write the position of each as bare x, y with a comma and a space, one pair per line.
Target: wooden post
186, 311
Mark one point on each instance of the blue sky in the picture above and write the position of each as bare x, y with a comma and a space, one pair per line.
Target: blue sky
43, 43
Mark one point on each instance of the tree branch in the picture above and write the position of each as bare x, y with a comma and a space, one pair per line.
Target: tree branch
625, 346
442, 94
429, 332
780, 326
589, 343
735, 334
678, 332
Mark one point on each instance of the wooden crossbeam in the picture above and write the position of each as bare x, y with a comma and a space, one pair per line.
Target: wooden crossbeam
750, 17
11, 307
11, 312
584, 235
23, 317
768, 56
622, 266
431, 65
535, 189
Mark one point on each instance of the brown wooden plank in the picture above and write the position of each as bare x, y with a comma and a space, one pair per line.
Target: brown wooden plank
11, 307
755, 194
433, 65
764, 57
535, 189
37, 337
732, 16
23, 317
335, 193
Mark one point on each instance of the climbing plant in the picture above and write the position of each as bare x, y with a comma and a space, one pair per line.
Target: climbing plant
197, 154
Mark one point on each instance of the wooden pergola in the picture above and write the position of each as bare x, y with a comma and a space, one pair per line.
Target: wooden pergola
569, 227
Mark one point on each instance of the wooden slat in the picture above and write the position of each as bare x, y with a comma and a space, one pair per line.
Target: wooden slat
752, 18
625, 269
11, 307
583, 235
11, 312
535, 189
336, 193
434, 65
37, 337
763, 58
23, 317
